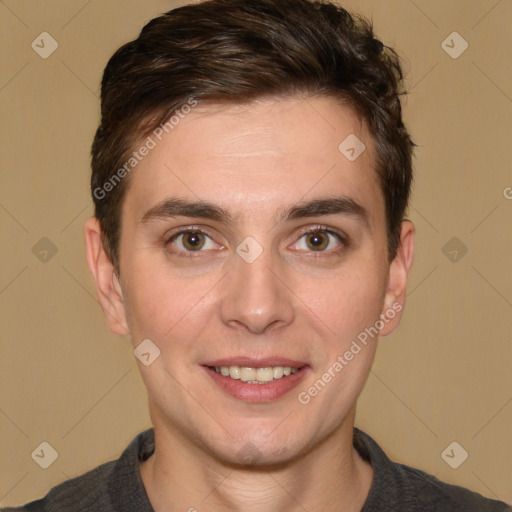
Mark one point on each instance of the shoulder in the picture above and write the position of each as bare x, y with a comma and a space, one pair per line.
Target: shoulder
399, 487
110, 487
87, 492
430, 493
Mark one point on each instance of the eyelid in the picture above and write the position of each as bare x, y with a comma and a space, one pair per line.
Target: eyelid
185, 229
326, 229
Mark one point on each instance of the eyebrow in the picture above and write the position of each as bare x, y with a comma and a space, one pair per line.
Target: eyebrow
179, 207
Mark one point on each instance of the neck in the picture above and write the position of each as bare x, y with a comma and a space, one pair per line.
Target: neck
180, 476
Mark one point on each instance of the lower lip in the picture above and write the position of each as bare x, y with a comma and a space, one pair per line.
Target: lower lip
258, 392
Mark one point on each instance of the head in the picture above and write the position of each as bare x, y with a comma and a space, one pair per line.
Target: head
228, 118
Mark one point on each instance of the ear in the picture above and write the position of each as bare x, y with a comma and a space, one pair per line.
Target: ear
394, 298
107, 282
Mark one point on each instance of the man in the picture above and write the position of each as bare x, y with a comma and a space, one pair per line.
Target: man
251, 174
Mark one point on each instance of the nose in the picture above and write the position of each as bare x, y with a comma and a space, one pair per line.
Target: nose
256, 296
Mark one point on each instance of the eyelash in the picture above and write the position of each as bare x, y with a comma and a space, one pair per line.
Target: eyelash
315, 229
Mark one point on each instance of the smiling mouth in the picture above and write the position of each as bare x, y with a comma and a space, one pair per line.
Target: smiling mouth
249, 375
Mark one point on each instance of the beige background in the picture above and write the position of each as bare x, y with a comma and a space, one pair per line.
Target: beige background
443, 376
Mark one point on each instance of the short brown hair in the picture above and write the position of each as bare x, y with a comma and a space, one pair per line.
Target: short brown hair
236, 51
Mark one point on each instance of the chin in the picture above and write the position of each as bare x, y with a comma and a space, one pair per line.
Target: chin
252, 457
259, 451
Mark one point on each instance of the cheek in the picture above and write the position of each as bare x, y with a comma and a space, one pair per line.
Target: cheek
348, 307
346, 303
162, 304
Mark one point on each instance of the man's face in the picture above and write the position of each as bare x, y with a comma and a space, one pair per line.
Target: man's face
207, 297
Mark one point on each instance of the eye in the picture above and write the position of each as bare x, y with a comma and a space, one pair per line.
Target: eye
191, 240
320, 239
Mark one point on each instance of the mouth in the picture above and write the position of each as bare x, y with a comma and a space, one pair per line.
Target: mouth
257, 381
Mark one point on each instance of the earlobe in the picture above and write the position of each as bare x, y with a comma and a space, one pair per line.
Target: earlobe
399, 268
107, 283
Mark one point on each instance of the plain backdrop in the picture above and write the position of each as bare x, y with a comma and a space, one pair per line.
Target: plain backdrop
444, 376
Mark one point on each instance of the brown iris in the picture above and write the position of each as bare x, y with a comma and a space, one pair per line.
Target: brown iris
317, 240
193, 240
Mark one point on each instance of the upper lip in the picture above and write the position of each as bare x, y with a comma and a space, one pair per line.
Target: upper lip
250, 362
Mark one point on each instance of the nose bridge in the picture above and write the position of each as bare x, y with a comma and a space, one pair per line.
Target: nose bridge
254, 296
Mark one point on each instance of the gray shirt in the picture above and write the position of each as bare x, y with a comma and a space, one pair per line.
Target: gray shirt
116, 486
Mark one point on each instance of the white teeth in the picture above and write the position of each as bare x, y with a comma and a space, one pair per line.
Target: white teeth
278, 372
264, 374
256, 375
247, 374
234, 372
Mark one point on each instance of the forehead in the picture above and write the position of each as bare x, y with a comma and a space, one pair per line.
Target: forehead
259, 157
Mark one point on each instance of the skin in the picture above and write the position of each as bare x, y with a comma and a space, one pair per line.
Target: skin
293, 301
